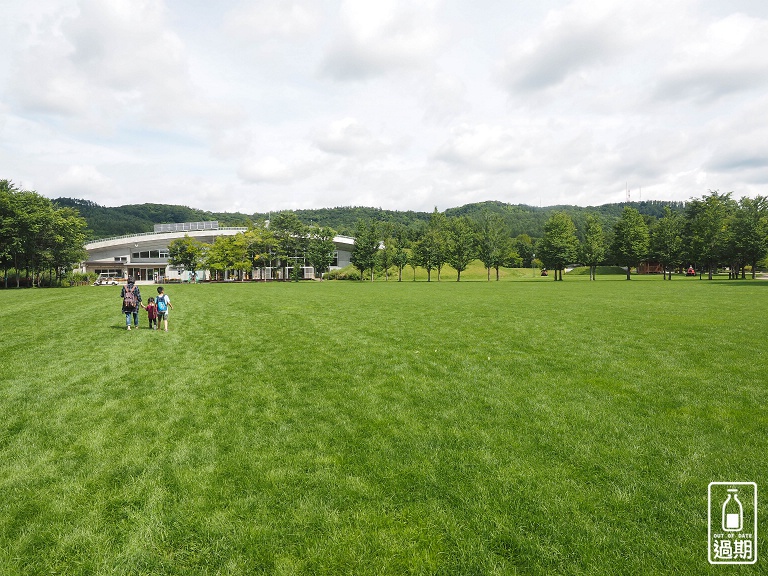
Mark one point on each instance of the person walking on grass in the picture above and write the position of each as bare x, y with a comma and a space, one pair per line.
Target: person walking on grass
131, 302
163, 304
151, 309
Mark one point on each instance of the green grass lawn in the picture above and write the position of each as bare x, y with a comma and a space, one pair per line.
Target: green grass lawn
517, 427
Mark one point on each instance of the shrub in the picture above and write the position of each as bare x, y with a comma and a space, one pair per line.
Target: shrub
346, 273
79, 278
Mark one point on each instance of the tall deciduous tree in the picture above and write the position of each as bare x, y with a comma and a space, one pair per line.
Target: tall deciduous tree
460, 244
260, 244
706, 230
631, 240
667, 241
400, 254
187, 253
492, 240
523, 245
593, 247
69, 237
438, 229
559, 245
291, 240
509, 257
386, 253
321, 249
750, 230
427, 251
242, 263
366, 247
219, 258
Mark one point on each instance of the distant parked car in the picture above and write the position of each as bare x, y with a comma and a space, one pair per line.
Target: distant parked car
105, 281
691, 271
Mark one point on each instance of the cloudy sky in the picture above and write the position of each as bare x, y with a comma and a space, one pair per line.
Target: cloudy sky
251, 105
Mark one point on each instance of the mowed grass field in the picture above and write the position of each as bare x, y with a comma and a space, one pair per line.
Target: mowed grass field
516, 427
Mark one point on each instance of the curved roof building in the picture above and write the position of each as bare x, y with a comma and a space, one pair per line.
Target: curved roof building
145, 256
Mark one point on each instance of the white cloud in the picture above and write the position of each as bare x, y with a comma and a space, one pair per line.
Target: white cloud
84, 181
348, 137
445, 97
727, 57
485, 148
273, 170
380, 37
576, 38
265, 19
262, 105
108, 63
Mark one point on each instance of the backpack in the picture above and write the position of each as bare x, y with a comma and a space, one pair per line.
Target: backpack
129, 298
161, 305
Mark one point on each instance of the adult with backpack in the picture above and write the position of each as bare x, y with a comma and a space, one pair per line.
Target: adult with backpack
131, 301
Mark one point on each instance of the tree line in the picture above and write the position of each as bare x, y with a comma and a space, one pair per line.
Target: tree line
37, 237
714, 231
706, 233
455, 241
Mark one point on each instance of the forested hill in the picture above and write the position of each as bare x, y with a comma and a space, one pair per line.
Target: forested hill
104, 222
520, 218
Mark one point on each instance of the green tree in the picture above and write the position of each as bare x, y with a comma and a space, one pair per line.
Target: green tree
413, 261
386, 253
492, 240
260, 248
750, 231
559, 245
218, 257
523, 245
290, 240
366, 247
667, 241
7, 233
460, 243
241, 260
428, 251
321, 249
38, 237
631, 240
593, 247
706, 231
186, 253
509, 257
69, 247
400, 257
438, 229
